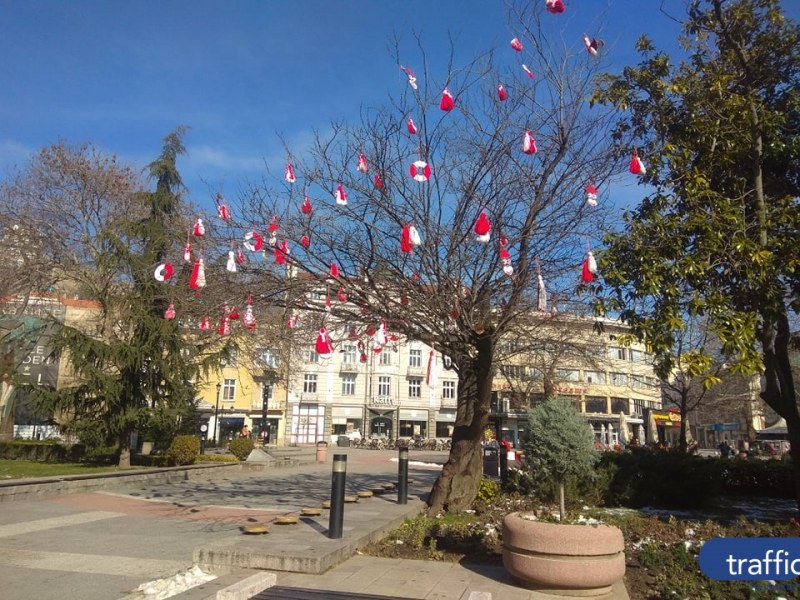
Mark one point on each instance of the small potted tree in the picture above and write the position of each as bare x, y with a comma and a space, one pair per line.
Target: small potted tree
569, 558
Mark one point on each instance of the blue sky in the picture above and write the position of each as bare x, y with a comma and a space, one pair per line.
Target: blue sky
239, 73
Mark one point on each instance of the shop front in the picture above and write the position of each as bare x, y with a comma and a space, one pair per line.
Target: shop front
413, 423
664, 427
445, 422
308, 424
347, 421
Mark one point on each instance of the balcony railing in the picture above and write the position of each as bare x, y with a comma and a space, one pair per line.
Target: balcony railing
449, 403
349, 367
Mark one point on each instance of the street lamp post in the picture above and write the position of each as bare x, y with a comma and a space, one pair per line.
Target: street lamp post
264, 407
216, 414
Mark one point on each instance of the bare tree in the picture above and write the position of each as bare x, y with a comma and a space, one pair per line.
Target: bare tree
440, 175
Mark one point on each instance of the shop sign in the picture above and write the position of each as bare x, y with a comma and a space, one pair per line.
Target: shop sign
379, 401
667, 419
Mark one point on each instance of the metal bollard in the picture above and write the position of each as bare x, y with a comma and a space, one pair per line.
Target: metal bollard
202, 444
503, 464
402, 477
336, 516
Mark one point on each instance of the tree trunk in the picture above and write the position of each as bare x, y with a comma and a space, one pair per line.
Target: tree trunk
125, 449
562, 511
457, 485
682, 443
779, 392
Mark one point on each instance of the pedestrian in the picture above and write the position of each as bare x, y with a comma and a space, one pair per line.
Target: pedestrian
245, 432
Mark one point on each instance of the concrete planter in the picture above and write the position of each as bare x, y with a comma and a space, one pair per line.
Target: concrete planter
572, 560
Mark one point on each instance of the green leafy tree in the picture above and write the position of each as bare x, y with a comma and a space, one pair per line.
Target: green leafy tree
717, 236
128, 363
559, 446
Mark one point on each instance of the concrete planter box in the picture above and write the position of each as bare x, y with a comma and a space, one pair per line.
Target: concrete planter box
572, 560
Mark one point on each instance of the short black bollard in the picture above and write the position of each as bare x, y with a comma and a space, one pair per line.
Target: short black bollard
336, 516
503, 464
202, 444
402, 477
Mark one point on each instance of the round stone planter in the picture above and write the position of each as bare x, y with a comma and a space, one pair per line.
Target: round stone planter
572, 560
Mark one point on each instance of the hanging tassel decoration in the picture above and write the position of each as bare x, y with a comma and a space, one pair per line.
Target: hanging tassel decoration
289, 174
362, 166
169, 314
198, 277
323, 346
590, 192
542, 300
528, 143
340, 196
230, 266
447, 103
501, 93
483, 229
637, 166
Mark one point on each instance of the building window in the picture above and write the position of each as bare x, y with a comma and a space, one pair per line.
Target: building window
386, 357
637, 381
594, 376
449, 390
384, 385
620, 405
348, 384
349, 356
638, 407
415, 387
568, 374
309, 383
444, 429
312, 357
595, 404
228, 390
415, 358
616, 352
413, 428
269, 357
619, 379
534, 373
512, 371
635, 355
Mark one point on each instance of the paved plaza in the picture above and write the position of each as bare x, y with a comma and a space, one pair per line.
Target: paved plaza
101, 544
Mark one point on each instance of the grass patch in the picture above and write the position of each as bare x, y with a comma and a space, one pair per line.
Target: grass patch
21, 469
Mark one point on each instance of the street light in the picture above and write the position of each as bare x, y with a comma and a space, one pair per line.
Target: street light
264, 408
216, 414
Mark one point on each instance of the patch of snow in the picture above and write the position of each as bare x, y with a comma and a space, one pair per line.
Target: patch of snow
419, 464
160, 589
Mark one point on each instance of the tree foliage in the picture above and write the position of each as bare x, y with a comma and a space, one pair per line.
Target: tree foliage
717, 236
560, 444
126, 361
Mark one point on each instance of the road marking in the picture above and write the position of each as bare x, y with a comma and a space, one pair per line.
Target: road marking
54, 522
146, 568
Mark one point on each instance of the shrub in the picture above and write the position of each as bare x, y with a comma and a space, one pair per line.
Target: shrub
560, 447
217, 458
644, 477
41, 451
772, 478
241, 447
488, 491
184, 449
